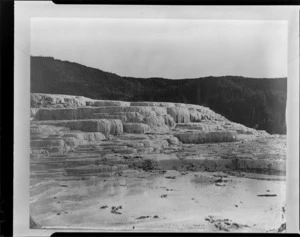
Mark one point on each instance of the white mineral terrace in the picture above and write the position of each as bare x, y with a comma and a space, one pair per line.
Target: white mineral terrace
144, 166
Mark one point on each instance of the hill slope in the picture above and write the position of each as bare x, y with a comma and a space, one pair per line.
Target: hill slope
258, 103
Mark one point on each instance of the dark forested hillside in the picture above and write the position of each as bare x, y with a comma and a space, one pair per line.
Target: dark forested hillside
258, 103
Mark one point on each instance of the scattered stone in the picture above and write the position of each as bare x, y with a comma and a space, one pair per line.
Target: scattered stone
282, 228
218, 181
164, 196
224, 224
114, 210
143, 217
170, 177
267, 195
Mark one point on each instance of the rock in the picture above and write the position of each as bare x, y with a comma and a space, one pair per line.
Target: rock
224, 224
282, 228
114, 210
142, 217
206, 137
139, 128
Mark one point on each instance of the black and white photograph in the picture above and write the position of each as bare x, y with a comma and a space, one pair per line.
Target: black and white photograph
164, 125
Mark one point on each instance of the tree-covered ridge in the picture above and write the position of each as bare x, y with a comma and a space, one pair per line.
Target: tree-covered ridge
258, 103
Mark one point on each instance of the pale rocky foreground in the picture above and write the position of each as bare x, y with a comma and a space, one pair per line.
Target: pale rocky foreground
115, 165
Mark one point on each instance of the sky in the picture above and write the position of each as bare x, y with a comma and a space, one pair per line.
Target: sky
167, 48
